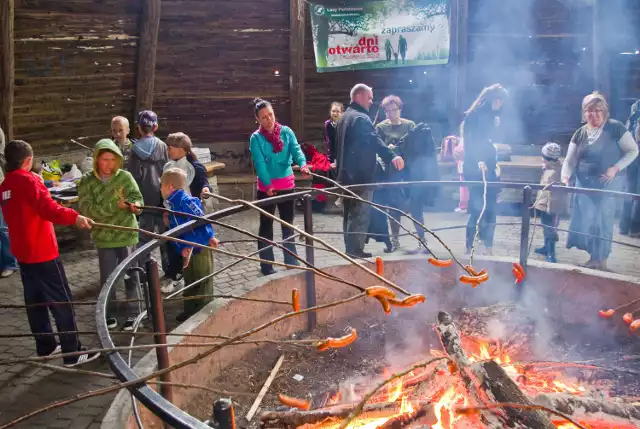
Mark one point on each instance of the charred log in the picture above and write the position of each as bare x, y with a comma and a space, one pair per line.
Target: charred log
589, 408
292, 419
487, 382
504, 389
452, 345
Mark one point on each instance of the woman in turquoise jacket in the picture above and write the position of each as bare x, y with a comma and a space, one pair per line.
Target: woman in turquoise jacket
273, 148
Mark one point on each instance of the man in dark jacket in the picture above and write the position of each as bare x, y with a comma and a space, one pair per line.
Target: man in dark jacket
358, 144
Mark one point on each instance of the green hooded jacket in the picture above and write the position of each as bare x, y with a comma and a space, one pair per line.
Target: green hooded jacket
99, 199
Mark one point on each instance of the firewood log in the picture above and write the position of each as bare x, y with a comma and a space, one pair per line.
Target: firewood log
582, 408
487, 382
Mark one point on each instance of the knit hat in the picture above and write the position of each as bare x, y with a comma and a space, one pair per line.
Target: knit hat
147, 118
551, 151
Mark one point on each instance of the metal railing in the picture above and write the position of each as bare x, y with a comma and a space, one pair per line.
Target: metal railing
160, 403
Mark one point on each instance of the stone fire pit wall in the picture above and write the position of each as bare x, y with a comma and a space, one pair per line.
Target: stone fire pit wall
568, 295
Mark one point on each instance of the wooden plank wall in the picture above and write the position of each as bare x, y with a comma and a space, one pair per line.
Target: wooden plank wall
213, 58
541, 51
74, 69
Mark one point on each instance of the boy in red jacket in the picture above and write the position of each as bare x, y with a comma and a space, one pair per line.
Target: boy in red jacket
30, 213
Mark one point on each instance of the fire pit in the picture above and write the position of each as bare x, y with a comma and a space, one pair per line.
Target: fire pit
545, 346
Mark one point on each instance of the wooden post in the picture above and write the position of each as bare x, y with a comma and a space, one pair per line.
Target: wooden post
601, 67
460, 23
147, 46
296, 65
7, 66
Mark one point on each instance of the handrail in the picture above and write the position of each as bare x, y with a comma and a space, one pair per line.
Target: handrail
175, 416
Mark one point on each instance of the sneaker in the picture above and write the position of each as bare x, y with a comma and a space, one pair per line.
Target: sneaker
56, 351
338, 203
459, 210
112, 322
172, 286
82, 359
7, 273
419, 249
128, 325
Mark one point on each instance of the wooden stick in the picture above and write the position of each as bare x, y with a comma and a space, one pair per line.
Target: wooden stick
294, 418
265, 388
314, 238
141, 380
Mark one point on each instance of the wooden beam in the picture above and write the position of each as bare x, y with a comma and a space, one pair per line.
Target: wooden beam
296, 65
147, 46
7, 66
460, 30
601, 64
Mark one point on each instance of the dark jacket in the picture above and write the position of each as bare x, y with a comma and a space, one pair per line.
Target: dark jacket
479, 126
330, 140
179, 201
200, 180
358, 143
148, 157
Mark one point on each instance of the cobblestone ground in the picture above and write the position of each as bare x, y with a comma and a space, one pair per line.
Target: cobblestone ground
24, 388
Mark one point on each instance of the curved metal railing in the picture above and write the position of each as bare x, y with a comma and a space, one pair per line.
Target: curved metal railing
179, 419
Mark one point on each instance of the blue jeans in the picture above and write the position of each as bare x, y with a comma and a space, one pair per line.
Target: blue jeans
7, 261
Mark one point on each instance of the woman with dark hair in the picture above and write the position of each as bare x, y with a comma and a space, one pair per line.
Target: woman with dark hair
598, 151
330, 126
481, 158
273, 148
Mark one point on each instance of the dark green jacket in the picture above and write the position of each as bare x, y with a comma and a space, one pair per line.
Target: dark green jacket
98, 200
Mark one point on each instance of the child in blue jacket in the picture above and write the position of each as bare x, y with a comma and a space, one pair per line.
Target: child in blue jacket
197, 262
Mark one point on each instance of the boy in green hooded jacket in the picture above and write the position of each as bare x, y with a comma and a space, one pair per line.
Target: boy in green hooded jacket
104, 195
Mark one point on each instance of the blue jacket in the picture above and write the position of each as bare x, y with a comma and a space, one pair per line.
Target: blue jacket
179, 201
270, 165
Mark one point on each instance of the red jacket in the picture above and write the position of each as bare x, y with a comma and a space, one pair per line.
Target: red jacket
29, 211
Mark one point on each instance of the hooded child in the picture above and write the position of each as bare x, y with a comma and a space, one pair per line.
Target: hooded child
110, 195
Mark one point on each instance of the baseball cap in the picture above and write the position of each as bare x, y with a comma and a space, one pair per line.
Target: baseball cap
147, 118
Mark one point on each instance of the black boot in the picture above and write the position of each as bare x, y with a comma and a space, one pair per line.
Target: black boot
542, 250
551, 251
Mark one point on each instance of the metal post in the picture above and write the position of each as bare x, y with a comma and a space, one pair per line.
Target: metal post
157, 318
310, 278
526, 223
223, 414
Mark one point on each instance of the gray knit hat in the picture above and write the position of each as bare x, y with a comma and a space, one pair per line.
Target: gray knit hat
551, 151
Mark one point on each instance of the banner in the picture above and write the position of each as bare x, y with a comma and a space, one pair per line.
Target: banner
379, 34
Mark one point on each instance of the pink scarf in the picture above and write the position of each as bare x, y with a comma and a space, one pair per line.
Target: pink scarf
273, 137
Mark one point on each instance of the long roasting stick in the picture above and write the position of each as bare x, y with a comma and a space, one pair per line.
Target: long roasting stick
265, 388
225, 252
375, 206
382, 206
198, 357
314, 238
317, 271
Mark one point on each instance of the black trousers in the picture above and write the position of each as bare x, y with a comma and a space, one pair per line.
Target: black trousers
487, 226
630, 217
42, 283
286, 211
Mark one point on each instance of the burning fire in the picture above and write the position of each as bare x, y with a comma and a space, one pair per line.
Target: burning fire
450, 397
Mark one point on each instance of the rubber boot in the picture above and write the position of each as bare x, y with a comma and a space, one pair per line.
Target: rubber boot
551, 251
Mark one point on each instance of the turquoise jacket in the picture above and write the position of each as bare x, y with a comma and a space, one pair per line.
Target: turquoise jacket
270, 165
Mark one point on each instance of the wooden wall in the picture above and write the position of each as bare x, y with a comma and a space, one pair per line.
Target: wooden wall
213, 58
76, 66
74, 69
